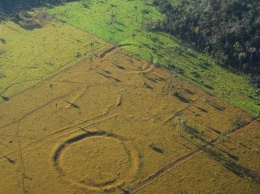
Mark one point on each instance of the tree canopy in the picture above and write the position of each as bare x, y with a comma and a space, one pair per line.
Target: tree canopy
229, 30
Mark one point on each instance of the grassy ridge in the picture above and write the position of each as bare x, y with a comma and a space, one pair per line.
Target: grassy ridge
156, 47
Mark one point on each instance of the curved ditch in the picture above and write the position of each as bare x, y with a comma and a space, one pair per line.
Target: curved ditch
96, 160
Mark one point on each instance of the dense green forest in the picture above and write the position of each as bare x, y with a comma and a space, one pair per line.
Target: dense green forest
229, 30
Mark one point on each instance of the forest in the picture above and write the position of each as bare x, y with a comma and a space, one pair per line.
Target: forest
229, 30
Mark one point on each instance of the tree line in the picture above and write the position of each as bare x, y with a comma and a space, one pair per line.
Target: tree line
229, 30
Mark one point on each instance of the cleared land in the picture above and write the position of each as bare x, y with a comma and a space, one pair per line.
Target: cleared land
80, 115
39, 48
125, 22
118, 124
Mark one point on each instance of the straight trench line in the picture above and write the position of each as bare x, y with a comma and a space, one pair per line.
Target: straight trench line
21, 165
183, 159
165, 169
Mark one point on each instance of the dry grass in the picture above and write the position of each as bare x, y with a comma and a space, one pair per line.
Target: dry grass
111, 124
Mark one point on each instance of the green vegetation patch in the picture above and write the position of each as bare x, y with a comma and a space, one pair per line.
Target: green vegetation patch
112, 20
125, 22
29, 56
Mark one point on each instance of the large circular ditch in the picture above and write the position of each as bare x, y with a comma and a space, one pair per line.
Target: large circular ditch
96, 160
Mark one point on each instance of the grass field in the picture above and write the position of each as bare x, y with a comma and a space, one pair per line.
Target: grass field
122, 125
158, 48
79, 114
29, 56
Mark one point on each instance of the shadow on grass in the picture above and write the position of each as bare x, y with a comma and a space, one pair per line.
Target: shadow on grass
10, 8
181, 98
156, 148
225, 158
